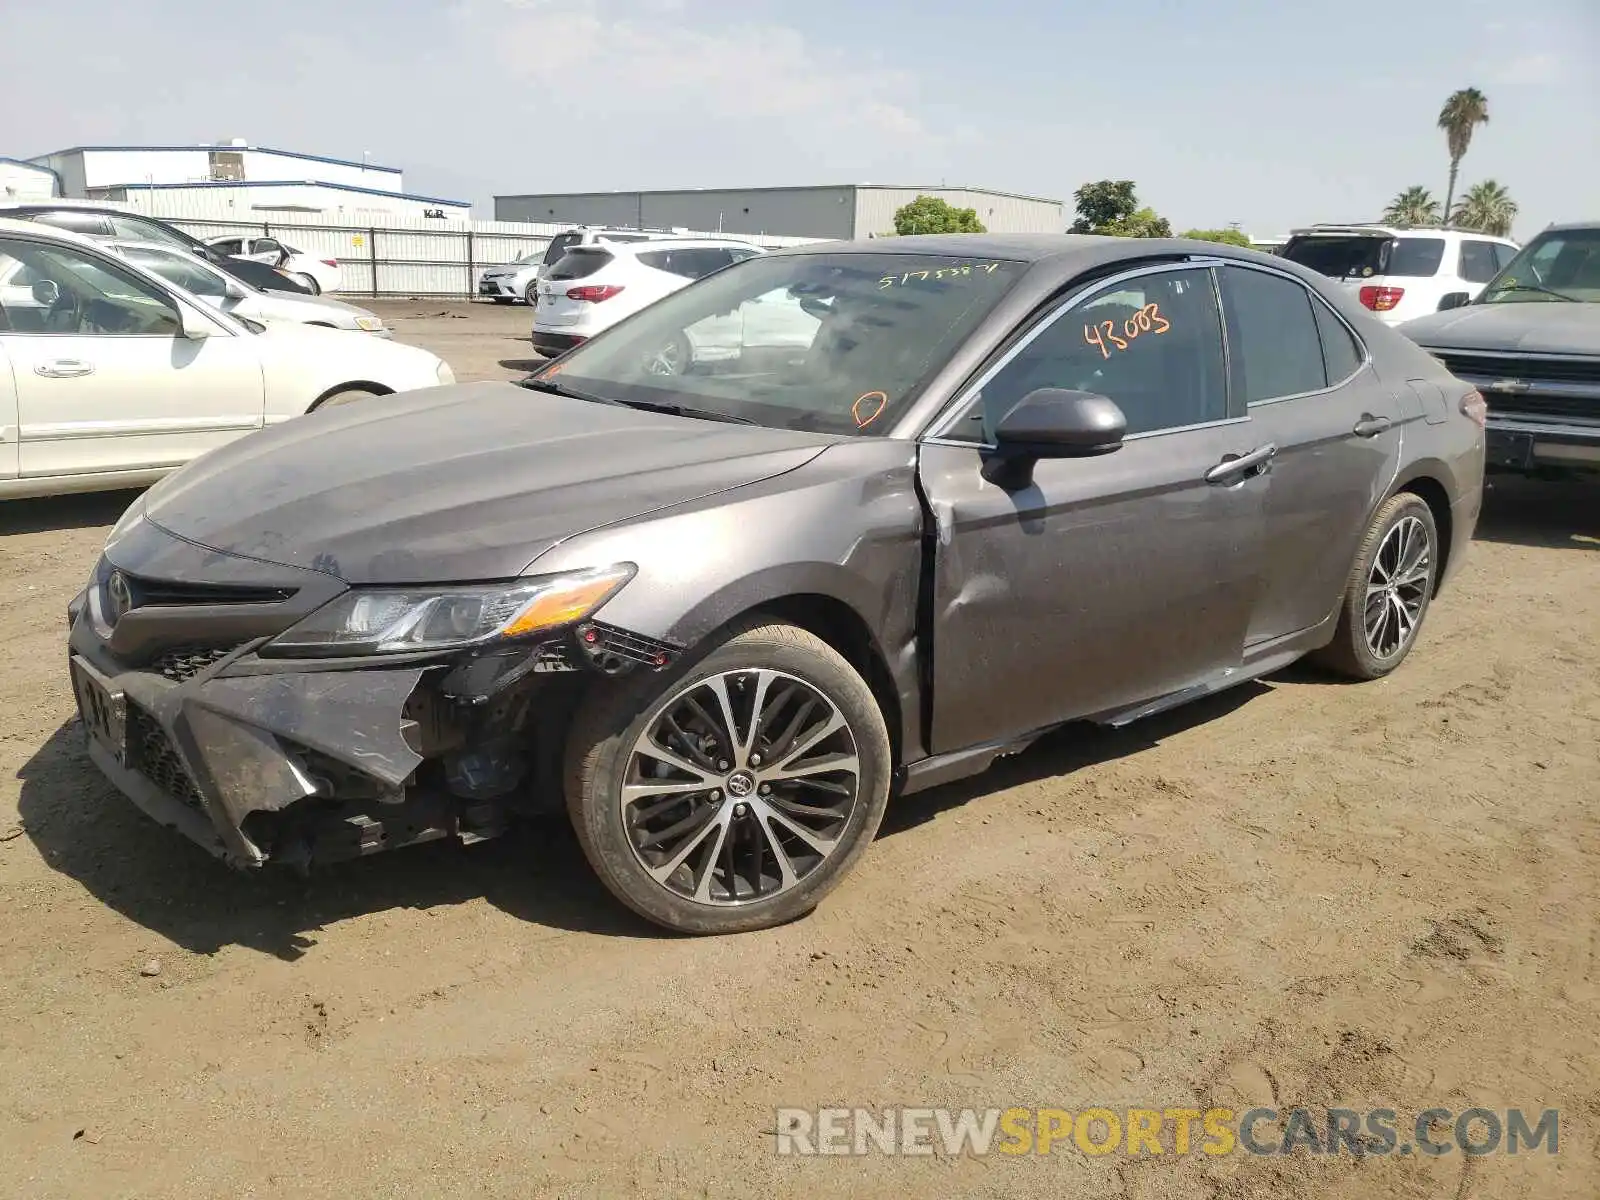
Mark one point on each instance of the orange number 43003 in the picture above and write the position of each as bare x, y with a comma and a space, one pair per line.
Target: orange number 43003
1147, 320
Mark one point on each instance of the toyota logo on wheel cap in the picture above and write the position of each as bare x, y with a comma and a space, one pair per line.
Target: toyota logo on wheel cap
741, 783
119, 597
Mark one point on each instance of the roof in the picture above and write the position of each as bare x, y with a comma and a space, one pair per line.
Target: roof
927, 188
340, 162
267, 183
1070, 251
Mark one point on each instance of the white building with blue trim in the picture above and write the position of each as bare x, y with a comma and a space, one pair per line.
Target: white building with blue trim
234, 179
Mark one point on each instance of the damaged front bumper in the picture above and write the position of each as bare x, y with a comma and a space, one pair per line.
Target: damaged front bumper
303, 762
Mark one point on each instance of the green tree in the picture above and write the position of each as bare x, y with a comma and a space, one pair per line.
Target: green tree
1463, 112
1111, 207
1412, 207
1104, 203
1486, 207
930, 214
1228, 237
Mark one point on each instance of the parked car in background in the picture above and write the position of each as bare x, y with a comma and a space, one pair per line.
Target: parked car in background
1530, 342
719, 617
110, 376
316, 275
595, 285
200, 278
516, 280
105, 224
1400, 274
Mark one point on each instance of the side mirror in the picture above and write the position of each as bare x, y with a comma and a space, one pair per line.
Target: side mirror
1053, 423
1454, 300
46, 292
195, 327
234, 290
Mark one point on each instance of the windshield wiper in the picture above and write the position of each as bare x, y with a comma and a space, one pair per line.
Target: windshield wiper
1535, 287
534, 384
687, 410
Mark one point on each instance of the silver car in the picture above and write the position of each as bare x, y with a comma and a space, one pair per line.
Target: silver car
240, 299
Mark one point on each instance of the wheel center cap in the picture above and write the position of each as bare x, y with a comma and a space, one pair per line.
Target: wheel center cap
741, 784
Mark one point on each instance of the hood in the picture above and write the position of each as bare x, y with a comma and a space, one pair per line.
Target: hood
327, 305
460, 483
1531, 327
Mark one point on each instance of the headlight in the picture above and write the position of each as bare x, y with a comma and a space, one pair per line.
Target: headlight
370, 324
401, 620
443, 371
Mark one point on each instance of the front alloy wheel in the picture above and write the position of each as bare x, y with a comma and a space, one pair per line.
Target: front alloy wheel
737, 794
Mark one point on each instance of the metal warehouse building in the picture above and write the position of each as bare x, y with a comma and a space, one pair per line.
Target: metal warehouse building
842, 211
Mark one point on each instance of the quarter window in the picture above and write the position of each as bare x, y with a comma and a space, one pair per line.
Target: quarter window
1478, 262
1152, 343
1341, 353
1272, 333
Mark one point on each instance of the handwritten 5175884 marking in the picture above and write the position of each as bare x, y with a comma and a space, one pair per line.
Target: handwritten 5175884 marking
1147, 320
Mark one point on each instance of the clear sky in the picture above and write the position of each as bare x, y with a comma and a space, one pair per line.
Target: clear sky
1269, 114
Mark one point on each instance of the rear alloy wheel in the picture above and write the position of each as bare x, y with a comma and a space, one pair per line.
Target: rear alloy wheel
675, 358
309, 282
1388, 593
735, 794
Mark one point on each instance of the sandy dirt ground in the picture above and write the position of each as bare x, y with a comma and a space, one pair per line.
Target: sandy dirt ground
1298, 893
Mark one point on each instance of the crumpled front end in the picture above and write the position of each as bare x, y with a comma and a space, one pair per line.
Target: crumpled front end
300, 761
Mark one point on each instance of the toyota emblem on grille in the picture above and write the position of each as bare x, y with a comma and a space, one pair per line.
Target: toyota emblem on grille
119, 597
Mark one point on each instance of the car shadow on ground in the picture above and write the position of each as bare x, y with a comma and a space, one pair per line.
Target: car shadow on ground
81, 511
1562, 514
524, 364
84, 829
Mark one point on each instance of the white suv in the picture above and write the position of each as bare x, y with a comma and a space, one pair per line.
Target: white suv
1401, 273
594, 286
518, 280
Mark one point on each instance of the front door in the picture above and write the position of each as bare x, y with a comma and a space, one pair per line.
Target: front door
1109, 580
1311, 392
8, 410
105, 379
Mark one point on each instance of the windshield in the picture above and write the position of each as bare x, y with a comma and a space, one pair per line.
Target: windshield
839, 343
1556, 267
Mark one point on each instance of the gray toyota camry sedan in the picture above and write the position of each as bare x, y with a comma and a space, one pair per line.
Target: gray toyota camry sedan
826, 527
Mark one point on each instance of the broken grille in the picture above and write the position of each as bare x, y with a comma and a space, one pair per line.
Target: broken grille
183, 663
152, 754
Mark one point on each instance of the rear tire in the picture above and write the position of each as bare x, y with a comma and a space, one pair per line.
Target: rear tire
718, 840
1388, 592
343, 396
309, 282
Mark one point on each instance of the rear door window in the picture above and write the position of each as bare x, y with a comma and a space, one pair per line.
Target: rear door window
579, 263
1415, 257
1272, 332
688, 262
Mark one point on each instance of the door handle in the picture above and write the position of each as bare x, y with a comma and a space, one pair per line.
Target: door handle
64, 368
1238, 467
1371, 426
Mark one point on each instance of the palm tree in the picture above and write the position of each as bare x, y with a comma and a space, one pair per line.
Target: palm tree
1486, 207
1461, 114
1414, 206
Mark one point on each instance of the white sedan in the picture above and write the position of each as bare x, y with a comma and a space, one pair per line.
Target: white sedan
110, 377
317, 275
239, 299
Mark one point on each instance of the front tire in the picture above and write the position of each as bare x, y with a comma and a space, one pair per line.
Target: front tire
530, 294
735, 792
1387, 595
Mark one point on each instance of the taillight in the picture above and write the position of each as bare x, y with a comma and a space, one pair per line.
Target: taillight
330, 262
1381, 299
594, 292
1475, 408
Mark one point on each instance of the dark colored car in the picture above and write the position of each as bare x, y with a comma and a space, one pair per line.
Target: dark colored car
723, 615
1530, 343
114, 223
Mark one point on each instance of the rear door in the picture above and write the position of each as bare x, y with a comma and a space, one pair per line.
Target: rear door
1311, 391
106, 381
8, 407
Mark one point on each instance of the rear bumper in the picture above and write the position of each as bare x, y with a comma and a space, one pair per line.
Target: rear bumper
552, 344
1526, 443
